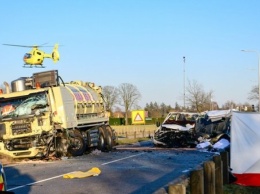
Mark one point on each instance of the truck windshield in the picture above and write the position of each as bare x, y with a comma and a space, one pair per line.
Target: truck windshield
27, 105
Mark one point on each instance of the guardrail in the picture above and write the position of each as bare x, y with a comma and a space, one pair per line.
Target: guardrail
208, 179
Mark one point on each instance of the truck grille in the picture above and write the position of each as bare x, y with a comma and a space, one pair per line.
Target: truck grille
18, 129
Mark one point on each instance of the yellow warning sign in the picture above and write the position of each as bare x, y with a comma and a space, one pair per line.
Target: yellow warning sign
138, 117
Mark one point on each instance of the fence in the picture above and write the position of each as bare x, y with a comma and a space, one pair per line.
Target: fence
121, 121
134, 131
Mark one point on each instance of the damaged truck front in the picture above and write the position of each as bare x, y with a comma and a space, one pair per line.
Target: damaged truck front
41, 116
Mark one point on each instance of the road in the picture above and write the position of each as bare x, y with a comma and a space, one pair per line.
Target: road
135, 169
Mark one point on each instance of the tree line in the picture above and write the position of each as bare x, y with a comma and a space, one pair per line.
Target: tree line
127, 96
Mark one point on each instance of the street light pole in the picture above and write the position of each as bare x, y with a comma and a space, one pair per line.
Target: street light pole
184, 82
258, 58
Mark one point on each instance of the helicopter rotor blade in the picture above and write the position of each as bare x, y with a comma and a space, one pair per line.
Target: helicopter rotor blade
33, 46
44, 44
19, 45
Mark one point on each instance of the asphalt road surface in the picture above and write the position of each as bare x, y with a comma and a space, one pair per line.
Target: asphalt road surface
135, 169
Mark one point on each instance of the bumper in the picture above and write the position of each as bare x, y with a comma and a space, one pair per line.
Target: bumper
30, 153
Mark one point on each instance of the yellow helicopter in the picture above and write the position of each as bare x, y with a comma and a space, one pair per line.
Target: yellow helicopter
35, 57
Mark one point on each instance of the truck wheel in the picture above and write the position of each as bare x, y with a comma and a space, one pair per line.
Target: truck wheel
109, 140
78, 145
101, 140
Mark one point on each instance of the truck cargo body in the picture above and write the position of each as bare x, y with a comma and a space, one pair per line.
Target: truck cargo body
61, 119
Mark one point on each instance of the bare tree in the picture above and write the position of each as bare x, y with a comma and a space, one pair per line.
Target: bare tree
177, 107
230, 104
128, 97
253, 94
197, 97
110, 95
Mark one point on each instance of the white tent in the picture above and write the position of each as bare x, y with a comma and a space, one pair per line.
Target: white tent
245, 148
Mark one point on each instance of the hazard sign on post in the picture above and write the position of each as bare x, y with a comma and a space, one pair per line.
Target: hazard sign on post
138, 117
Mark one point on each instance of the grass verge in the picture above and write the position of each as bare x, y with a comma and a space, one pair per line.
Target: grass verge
126, 141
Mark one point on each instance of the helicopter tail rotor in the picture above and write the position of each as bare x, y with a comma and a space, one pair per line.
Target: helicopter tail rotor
55, 53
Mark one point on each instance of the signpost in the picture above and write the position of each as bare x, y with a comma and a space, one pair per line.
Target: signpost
138, 117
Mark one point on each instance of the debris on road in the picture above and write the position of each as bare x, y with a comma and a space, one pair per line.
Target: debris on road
79, 174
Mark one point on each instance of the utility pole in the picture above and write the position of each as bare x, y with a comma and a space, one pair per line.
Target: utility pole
184, 82
258, 60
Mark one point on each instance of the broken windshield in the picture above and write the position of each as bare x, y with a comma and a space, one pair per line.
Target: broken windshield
27, 105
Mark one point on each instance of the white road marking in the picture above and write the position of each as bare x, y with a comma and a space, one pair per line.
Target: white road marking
121, 159
33, 183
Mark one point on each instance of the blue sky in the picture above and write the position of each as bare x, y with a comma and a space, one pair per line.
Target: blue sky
141, 42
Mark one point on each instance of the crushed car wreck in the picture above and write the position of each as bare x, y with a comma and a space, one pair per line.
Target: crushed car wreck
177, 130
182, 129
214, 127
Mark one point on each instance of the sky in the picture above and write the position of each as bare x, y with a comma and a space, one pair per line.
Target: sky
141, 42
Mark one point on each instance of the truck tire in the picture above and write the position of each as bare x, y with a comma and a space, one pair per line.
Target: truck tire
78, 145
109, 137
101, 139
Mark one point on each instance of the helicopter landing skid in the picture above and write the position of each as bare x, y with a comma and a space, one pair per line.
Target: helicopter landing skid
31, 66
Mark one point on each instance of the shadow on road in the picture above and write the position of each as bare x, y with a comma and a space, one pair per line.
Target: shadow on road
16, 181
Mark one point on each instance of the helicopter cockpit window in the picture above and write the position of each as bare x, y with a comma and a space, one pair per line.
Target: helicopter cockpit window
27, 55
39, 53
